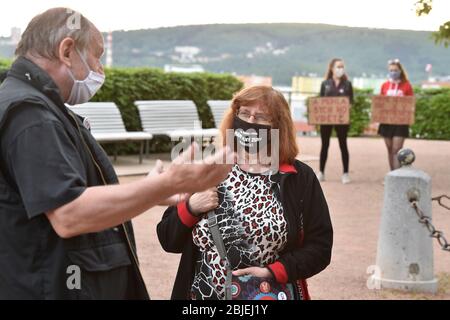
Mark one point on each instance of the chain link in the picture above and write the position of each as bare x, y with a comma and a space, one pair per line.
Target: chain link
425, 220
439, 200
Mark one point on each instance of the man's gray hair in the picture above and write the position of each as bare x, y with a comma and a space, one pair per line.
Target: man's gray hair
45, 32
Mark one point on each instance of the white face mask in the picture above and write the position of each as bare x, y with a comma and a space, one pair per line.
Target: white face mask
83, 90
339, 72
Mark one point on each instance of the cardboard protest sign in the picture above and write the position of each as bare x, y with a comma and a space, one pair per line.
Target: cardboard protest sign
329, 110
393, 110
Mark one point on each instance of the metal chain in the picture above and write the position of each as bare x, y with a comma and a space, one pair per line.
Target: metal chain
439, 200
425, 220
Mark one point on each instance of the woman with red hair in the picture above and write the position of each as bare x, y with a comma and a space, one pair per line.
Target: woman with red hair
272, 216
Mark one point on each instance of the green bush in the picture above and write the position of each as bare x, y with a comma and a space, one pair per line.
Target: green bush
5, 64
124, 86
432, 114
360, 112
4, 67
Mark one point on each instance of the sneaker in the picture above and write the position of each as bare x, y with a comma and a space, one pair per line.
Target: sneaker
346, 178
321, 176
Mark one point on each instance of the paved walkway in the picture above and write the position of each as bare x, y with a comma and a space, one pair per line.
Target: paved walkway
355, 211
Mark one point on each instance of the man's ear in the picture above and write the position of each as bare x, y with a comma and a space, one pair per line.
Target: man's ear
66, 50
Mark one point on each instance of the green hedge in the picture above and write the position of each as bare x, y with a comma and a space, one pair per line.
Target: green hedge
432, 114
4, 67
360, 112
124, 86
5, 64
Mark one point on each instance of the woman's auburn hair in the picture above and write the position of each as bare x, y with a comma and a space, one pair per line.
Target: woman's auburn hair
331, 64
278, 110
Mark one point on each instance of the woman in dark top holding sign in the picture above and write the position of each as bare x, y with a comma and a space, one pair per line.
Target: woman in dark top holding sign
336, 84
394, 135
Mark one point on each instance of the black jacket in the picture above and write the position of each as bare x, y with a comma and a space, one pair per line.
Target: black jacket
48, 158
344, 89
310, 233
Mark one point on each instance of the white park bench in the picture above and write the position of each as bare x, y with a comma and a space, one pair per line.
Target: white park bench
218, 109
107, 125
174, 118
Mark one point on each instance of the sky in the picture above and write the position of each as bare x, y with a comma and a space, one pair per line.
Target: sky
143, 14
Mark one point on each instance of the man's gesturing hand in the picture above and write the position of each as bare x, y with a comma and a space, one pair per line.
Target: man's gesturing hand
191, 176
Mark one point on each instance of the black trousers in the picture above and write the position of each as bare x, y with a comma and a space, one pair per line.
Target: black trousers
325, 134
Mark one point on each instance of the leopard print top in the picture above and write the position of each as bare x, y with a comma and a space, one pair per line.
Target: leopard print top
253, 227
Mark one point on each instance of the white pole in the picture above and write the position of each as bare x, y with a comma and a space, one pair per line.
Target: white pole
109, 50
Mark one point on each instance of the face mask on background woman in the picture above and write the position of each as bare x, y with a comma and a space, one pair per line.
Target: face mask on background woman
394, 75
339, 72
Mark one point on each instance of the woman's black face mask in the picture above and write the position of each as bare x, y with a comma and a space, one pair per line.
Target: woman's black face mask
252, 136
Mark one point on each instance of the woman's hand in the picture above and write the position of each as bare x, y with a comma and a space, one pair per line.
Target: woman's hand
202, 202
253, 271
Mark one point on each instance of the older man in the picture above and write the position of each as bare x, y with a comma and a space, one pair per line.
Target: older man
62, 213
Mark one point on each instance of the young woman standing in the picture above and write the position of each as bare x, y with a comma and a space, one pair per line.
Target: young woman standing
336, 84
395, 135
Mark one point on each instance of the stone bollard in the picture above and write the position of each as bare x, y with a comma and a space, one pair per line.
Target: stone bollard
405, 248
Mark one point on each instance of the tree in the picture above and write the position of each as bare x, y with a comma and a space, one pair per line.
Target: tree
442, 36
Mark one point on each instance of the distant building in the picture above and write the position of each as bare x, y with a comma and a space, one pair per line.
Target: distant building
109, 50
306, 85
302, 88
266, 49
186, 54
183, 68
16, 34
436, 83
253, 80
13, 39
297, 104
373, 84
311, 85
